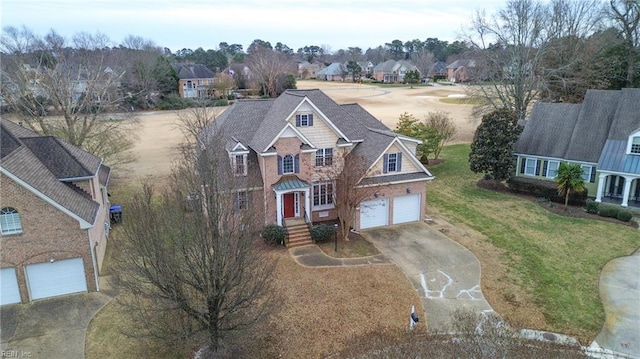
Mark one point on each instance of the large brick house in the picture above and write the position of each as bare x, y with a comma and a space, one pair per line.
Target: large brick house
284, 145
54, 216
194, 80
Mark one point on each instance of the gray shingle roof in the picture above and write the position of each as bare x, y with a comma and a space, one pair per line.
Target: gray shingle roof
256, 123
545, 134
27, 159
591, 132
193, 71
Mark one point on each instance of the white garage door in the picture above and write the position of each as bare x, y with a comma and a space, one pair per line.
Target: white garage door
406, 209
10, 293
374, 213
57, 278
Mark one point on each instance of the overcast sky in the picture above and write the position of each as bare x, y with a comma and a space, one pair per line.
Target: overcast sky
177, 24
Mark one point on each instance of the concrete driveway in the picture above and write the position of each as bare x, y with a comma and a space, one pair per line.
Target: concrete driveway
49, 328
620, 294
445, 274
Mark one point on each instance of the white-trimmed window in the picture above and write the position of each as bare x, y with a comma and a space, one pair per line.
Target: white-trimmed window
287, 164
552, 169
324, 157
240, 165
10, 222
530, 166
241, 200
304, 120
392, 162
635, 145
323, 194
587, 174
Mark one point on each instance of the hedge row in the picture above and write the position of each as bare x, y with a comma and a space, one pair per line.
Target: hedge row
545, 189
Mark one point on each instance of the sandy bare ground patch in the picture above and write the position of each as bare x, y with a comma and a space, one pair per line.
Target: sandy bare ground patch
159, 134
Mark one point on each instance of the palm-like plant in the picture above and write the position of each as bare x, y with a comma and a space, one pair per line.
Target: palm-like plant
569, 179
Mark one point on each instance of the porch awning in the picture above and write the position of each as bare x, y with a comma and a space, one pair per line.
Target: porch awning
290, 182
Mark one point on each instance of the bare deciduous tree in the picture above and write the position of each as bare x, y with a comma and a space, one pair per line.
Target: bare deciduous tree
190, 257
441, 124
530, 47
269, 65
68, 91
626, 16
347, 172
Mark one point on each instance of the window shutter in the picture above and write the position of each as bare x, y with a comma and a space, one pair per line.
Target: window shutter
297, 120
592, 178
279, 165
544, 167
385, 164
296, 164
523, 163
399, 162
310, 119
537, 167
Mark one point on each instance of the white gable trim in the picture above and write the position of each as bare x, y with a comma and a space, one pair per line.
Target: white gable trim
630, 142
324, 117
408, 154
83, 224
289, 127
239, 145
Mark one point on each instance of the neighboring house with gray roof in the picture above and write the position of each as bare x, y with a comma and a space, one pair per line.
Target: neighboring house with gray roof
290, 141
335, 72
54, 216
602, 135
392, 71
460, 70
194, 80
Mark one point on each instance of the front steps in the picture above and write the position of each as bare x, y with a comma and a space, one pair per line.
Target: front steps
298, 234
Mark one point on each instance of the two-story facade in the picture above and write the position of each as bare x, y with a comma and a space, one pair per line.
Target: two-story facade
54, 216
194, 80
602, 135
288, 145
392, 71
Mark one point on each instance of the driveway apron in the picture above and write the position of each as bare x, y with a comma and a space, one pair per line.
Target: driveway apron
445, 274
49, 328
620, 294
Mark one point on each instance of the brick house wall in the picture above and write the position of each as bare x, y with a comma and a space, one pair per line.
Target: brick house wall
394, 190
46, 231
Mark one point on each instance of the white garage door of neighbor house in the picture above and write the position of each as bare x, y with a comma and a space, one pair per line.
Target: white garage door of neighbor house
374, 213
10, 293
57, 278
406, 209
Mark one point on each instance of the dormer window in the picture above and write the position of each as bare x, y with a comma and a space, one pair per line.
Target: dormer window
240, 165
635, 145
305, 120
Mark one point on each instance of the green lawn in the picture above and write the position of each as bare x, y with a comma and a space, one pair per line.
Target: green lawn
557, 259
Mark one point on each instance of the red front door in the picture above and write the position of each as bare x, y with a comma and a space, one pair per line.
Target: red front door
289, 205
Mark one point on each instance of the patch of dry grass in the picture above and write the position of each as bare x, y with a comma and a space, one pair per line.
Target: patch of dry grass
318, 311
356, 246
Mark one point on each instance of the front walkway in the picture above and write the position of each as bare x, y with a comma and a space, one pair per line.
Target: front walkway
313, 256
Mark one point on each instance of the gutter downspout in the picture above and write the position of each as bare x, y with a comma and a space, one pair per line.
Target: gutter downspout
93, 260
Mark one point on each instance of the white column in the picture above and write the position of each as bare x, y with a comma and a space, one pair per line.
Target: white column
307, 202
601, 180
279, 208
626, 191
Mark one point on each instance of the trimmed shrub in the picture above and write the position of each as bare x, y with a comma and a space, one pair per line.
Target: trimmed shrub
321, 232
173, 102
545, 189
608, 211
624, 215
274, 234
592, 207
